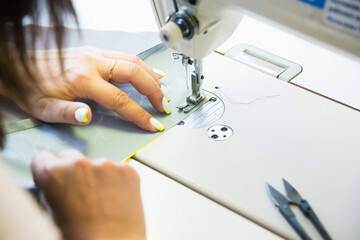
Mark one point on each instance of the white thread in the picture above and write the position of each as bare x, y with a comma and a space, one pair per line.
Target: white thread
228, 99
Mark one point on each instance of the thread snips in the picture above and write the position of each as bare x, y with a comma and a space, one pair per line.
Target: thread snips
293, 197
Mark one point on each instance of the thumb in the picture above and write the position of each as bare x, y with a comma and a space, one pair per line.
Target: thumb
60, 111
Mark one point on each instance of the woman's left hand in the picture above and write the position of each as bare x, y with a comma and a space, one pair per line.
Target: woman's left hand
90, 199
86, 75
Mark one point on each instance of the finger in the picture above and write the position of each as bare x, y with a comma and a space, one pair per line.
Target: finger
127, 72
104, 162
71, 155
160, 73
100, 161
116, 100
40, 166
61, 111
133, 59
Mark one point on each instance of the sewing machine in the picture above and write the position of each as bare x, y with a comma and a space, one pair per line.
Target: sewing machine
279, 131
196, 28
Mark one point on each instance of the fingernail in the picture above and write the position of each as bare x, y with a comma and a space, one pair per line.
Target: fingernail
164, 92
166, 106
157, 125
161, 73
80, 115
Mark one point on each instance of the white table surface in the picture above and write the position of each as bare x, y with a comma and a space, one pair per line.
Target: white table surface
175, 212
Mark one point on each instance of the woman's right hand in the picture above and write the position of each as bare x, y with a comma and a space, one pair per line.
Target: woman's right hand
86, 75
90, 199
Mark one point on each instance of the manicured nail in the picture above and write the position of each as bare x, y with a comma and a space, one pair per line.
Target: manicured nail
166, 106
161, 73
164, 92
80, 115
157, 125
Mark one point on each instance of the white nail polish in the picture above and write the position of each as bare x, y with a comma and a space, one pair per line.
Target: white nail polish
166, 106
80, 115
161, 73
165, 93
157, 125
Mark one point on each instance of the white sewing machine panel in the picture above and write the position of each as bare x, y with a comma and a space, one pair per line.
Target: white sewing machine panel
279, 131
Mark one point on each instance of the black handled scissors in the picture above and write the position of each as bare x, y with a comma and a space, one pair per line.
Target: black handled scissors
293, 197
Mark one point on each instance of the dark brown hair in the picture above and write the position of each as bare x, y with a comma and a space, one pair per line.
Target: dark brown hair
17, 73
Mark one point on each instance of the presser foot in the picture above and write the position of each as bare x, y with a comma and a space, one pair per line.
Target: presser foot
190, 105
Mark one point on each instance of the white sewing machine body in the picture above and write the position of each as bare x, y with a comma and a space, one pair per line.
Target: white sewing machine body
203, 25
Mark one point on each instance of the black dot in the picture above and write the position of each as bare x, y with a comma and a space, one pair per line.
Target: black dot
214, 136
224, 136
213, 130
212, 99
165, 37
216, 87
224, 129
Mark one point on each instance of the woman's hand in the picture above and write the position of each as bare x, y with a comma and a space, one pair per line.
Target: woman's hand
90, 200
86, 75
